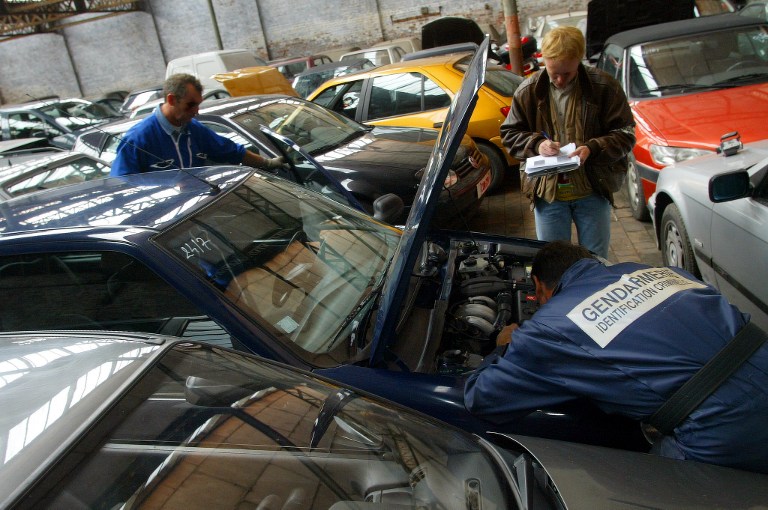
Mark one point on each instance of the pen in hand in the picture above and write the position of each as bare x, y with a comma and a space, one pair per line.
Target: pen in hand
550, 149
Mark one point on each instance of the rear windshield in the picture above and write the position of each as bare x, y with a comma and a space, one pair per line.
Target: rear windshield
498, 79
233, 61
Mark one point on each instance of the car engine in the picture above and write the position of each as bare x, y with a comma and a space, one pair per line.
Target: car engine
474, 289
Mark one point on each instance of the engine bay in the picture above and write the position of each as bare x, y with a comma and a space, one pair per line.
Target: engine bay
470, 290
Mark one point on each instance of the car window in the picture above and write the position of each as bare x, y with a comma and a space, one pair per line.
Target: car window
292, 69
404, 94
47, 177
755, 10
497, 78
343, 98
95, 290
297, 266
228, 132
239, 60
611, 61
109, 153
312, 127
213, 428
725, 58
28, 125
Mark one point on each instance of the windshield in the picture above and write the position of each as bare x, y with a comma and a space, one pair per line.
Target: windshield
211, 428
76, 113
314, 128
497, 78
296, 264
727, 58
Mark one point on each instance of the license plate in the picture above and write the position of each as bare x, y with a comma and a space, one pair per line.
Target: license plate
482, 186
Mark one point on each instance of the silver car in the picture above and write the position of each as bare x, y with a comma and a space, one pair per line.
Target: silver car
108, 420
710, 216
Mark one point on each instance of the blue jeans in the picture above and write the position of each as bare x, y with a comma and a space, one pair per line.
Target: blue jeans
592, 216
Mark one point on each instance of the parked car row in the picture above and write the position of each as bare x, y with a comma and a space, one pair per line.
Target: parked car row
368, 162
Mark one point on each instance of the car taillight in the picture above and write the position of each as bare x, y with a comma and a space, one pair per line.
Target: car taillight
505, 111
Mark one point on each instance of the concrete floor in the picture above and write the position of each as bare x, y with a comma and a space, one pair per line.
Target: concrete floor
506, 212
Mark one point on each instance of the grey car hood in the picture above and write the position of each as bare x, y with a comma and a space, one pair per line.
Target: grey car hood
589, 477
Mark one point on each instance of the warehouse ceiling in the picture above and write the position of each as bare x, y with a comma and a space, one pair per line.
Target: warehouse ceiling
19, 18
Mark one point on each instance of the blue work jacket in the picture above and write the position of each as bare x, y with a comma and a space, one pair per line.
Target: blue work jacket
626, 337
148, 147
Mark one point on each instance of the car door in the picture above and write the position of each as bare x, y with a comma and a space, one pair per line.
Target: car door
410, 99
739, 242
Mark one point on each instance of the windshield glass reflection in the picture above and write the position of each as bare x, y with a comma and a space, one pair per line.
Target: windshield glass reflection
292, 262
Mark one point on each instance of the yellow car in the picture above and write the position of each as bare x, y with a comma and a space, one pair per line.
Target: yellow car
417, 93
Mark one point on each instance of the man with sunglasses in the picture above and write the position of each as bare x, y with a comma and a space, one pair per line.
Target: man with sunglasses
170, 138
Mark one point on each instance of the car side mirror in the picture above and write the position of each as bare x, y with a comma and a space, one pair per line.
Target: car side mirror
730, 186
388, 208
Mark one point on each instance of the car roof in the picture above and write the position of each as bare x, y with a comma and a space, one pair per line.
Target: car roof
291, 60
436, 61
681, 28
9, 166
146, 201
37, 103
228, 105
332, 65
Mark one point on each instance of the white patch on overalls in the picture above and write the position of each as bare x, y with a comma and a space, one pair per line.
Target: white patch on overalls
610, 310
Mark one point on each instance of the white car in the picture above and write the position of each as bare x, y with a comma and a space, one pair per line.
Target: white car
380, 55
710, 216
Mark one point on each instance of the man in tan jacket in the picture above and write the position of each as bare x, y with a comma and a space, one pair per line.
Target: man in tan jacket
569, 102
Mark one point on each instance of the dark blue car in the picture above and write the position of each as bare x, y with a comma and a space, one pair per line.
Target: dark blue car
233, 256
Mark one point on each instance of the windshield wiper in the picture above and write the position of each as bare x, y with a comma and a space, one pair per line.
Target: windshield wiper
375, 291
749, 77
686, 87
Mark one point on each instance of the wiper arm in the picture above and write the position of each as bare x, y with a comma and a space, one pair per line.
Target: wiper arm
375, 291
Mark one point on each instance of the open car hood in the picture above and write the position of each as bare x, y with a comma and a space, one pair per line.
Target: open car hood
608, 17
427, 197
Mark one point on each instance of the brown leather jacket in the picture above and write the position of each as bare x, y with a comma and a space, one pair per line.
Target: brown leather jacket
609, 128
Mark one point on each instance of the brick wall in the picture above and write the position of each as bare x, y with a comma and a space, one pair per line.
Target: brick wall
130, 50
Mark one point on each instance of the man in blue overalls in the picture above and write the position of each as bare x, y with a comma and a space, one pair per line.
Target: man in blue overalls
626, 337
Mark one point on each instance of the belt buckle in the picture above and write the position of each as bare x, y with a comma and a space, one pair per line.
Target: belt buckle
651, 434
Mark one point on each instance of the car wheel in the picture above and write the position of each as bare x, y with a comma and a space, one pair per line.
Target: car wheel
498, 165
676, 249
635, 194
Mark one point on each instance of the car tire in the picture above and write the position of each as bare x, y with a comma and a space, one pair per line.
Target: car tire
676, 249
498, 165
635, 195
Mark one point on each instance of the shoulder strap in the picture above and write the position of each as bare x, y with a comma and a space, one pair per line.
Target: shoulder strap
708, 378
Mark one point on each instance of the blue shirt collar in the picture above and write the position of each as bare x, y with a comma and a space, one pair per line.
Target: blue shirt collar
167, 126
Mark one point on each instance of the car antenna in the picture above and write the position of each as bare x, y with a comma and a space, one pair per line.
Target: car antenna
214, 188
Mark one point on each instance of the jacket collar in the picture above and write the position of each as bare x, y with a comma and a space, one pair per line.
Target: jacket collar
541, 88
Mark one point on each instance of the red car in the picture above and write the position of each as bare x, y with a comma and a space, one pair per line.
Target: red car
689, 83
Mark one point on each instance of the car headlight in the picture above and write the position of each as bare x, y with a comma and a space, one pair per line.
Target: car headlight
663, 155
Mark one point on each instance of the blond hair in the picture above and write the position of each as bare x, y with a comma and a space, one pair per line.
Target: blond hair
563, 43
